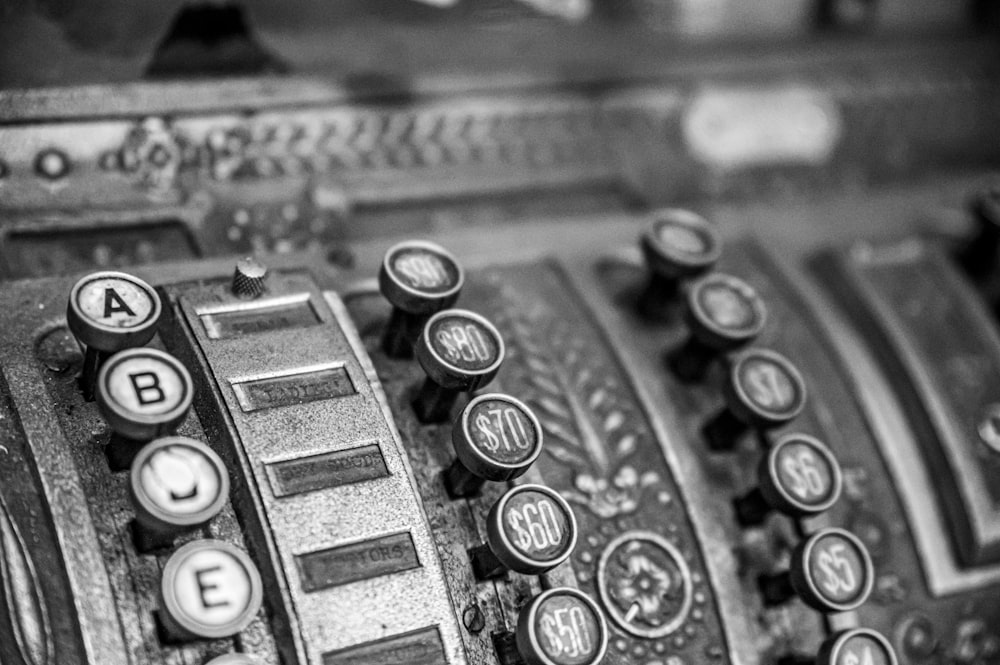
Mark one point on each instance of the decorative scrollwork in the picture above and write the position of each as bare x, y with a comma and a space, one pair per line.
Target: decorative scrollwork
587, 427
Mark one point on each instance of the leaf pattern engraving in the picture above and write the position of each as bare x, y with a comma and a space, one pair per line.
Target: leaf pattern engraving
565, 389
578, 401
23, 594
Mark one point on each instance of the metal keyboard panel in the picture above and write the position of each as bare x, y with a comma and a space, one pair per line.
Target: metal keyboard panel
355, 560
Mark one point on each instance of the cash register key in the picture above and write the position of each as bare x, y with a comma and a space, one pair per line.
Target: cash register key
459, 351
763, 390
496, 438
142, 394
799, 477
530, 530
249, 278
418, 278
209, 590
831, 571
677, 245
176, 485
108, 312
858, 646
723, 313
561, 626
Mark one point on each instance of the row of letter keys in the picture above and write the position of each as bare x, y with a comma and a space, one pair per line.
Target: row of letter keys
209, 588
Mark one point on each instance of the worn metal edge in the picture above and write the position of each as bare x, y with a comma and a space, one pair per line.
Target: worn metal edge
456, 655
709, 537
96, 610
896, 442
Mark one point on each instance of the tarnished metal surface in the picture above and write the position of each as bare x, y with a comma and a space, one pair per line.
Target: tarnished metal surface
337, 487
284, 404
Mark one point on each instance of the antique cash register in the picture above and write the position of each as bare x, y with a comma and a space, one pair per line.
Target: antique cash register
500, 332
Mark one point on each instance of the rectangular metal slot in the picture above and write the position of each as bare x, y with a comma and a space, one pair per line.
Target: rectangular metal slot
298, 386
420, 647
357, 561
285, 313
326, 470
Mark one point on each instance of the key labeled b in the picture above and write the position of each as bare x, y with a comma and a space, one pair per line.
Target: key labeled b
144, 393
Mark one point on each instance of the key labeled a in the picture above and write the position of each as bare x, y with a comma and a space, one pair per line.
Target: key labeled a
109, 312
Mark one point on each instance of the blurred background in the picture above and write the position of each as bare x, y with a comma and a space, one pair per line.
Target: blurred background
59, 42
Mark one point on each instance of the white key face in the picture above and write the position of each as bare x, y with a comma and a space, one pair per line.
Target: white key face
115, 303
146, 385
180, 480
683, 239
213, 589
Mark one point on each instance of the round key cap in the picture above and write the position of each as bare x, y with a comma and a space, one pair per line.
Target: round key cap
460, 351
764, 390
176, 484
209, 590
723, 314
561, 626
677, 245
144, 393
859, 646
496, 438
831, 571
112, 311
530, 530
799, 477
418, 278
108, 312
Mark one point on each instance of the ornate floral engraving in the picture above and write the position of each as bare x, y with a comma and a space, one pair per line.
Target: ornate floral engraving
23, 595
587, 425
636, 552
645, 584
607, 498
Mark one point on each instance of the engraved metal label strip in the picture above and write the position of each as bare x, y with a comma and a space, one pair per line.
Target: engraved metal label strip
234, 320
325, 470
357, 561
297, 386
421, 647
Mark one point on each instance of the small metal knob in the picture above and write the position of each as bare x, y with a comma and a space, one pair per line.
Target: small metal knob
248, 278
